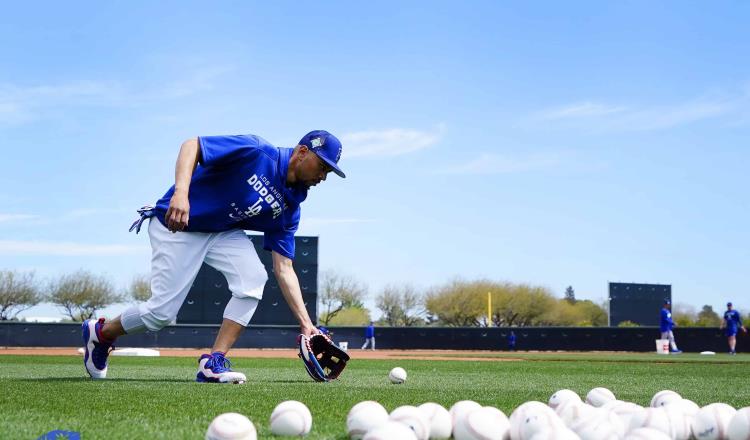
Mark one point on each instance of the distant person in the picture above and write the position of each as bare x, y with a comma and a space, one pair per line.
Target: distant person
666, 326
324, 330
512, 341
369, 336
731, 323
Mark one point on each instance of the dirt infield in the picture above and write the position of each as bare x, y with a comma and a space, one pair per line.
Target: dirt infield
431, 355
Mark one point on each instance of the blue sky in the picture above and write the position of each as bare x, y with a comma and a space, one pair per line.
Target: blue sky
549, 143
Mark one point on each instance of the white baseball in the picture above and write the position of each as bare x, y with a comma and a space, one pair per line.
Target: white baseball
712, 421
460, 409
571, 411
291, 418
739, 426
555, 434
688, 407
439, 419
602, 424
664, 397
412, 417
679, 422
363, 417
646, 434
561, 396
231, 426
599, 396
654, 418
623, 409
397, 375
540, 421
390, 430
519, 415
486, 423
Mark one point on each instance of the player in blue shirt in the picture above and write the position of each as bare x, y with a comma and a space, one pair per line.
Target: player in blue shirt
666, 324
731, 323
369, 336
223, 186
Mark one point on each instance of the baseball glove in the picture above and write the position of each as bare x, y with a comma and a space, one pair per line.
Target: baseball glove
323, 360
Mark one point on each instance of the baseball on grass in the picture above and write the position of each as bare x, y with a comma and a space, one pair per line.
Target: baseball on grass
486, 423
712, 421
365, 416
291, 418
562, 396
439, 419
664, 397
599, 396
231, 426
414, 418
739, 426
460, 409
391, 430
397, 375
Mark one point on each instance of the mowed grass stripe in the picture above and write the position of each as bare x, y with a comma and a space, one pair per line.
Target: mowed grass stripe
157, 398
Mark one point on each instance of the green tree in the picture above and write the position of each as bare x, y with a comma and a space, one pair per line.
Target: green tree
351, 316
570, 295
140, 288
401, 306
684, 315
82, 293
458, 303
707, 317
339, 292
18, 292
628, 324
593, 315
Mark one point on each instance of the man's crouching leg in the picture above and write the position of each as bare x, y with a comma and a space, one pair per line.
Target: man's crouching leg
215, 367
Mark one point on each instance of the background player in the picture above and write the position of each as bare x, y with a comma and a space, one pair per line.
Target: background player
666, 324
369, 336
223, 186
731, 323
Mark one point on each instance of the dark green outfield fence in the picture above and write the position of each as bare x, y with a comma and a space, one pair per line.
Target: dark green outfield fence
693, 339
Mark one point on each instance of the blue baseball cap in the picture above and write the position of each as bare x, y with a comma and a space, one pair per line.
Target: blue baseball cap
667, 301
729, 304
326, 146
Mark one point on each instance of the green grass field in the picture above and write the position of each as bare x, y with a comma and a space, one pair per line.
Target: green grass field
157, 398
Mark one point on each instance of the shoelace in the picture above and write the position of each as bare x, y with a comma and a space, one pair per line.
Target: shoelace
219, 364
100, 353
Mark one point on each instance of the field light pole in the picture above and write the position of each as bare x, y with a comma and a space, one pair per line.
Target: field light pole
489, 309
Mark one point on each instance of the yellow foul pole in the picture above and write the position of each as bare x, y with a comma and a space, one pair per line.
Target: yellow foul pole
489, 309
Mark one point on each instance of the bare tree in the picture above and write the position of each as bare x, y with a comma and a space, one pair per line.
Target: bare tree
82, 293
401, 306
339, 292
140, 288
18, 292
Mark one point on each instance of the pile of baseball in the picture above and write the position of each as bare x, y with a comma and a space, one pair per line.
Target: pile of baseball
566, 417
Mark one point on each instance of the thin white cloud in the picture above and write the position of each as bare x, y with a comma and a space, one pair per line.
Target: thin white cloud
388, 142
320, 221
64, 248
16, 217
595, 116
490, 163
581, 109
21, 104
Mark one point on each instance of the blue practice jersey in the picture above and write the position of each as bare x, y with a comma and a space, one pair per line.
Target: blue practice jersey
732, 320
370, 331
666, 324
240, 183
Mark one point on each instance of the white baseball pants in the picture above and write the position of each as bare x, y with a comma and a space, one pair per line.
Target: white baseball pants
176, 259
670, 336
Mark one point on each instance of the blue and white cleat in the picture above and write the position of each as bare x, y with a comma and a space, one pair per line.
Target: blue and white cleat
216, 368
96, 348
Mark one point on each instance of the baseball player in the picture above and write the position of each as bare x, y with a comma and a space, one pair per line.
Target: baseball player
666, 325
731, 323
369, 336
223, 186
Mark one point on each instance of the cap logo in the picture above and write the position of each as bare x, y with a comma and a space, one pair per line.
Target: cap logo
338, 155
317, 142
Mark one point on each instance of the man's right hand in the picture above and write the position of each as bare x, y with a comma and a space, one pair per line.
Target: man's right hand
309, 330
178, 212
